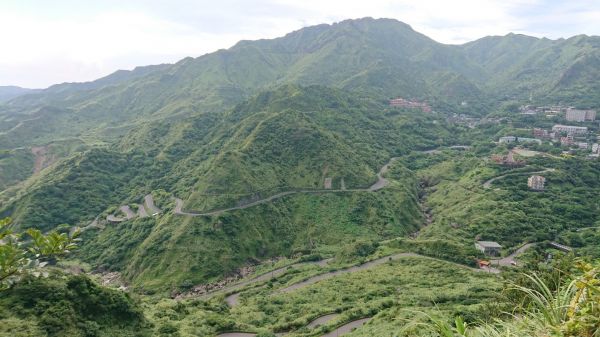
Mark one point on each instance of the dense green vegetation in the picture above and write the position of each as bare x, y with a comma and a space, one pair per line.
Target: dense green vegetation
382, 58
67, 305
285, 115
465, 209
12, 164
385, 291
206, 248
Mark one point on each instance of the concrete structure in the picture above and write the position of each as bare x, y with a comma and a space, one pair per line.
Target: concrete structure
570, 129
512, 139
583, 146
508, 160
507, 139
528, 140
568, 140
536, 183
327, 183
558, 246
488, 247
595, 148
405, 103
576, 115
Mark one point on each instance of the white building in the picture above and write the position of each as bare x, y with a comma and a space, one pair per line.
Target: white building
536, 183
507, 139
576, 115
570, 129
528, 140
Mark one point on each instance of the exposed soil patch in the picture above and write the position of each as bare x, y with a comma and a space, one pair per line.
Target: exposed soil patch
42, 158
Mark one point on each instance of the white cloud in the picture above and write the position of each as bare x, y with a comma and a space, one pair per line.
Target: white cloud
72, 41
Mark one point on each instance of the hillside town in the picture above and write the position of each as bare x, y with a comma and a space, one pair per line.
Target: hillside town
581, 137
410, 104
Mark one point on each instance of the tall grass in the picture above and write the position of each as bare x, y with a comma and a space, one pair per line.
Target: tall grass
573, 310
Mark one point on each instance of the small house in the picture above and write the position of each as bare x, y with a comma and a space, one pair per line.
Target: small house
488, 247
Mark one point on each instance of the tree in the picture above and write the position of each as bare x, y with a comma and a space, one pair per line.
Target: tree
27, 253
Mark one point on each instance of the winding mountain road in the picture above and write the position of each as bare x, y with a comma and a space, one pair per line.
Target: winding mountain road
379, 184
508, 261
339, 331
489, 182
348, 327
233, 299
150, 206
364, 266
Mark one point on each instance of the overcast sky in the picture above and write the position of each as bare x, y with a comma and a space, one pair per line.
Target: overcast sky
46, 42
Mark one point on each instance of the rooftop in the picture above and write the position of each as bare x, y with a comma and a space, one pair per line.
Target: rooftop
489, 244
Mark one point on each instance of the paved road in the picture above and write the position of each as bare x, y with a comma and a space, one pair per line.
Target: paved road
366, 265
142, 211
379, 184
348, 327
344, 329
489, 182
233, 299
321, 321
127, 211
508, 261
149, 203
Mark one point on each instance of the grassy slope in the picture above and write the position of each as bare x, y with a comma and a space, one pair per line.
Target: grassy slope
207, 248
551, 70
392, 291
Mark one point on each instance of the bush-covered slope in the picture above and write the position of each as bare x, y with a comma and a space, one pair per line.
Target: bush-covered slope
68, 306
291, 138
561, 70
287, 139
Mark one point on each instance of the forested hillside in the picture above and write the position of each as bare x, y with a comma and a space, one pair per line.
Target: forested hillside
286, 157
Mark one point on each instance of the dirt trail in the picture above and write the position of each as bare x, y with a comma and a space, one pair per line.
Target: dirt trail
348, 327
489, 182
379, 184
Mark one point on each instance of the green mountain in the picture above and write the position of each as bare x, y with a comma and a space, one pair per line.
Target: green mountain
383, 58
561, 70
9, 92
288, 139
259, 119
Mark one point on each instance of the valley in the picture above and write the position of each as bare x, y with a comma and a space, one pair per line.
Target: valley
353, 179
